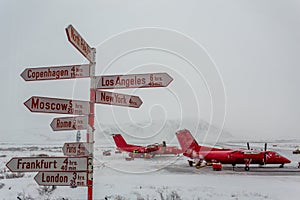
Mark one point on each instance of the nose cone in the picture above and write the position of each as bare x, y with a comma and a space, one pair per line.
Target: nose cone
286, 160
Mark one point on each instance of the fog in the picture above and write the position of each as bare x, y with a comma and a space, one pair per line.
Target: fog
234, 63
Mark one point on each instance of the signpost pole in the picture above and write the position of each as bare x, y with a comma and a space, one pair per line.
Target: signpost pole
91, 128
67, 166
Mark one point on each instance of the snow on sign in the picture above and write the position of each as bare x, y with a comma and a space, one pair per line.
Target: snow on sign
56, 72
79, 43
34, 164
60, 106
77, 149
133, 81
61, 178
69, 123
118, 99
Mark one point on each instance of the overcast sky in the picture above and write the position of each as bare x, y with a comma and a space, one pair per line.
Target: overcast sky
241, 67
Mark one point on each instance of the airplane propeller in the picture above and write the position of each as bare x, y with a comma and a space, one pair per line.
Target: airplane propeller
265, 154
265, 146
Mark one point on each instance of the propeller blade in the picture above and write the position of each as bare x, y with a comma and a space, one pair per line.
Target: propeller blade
265, 146
265, 157
248, 146
265, 154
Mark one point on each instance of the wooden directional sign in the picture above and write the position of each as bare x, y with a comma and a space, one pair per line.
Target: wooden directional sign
79, 43
56, 72
61, 178
133, 81
118, 99
34, 164
69, 123
77, 149
60, 106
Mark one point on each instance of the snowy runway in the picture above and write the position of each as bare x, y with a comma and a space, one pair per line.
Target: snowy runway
162, 177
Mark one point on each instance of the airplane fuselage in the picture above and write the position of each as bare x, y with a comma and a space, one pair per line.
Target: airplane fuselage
193, 150
239, 157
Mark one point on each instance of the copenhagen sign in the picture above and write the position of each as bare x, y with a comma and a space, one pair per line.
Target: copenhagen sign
56, 72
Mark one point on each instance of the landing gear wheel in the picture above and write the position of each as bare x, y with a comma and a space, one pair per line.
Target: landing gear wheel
198, 165
247, 168
233, 166
281, 166
190, 163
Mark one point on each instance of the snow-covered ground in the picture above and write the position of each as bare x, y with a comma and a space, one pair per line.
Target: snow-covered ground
163, 177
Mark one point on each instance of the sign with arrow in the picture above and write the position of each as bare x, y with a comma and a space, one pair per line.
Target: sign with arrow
60, 106
56, 72
61, 178
118, 99
79, 43
34, 164
133, 81
77, 149
69, 123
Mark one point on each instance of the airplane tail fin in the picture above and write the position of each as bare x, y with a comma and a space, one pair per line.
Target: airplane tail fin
119, 140
186, 140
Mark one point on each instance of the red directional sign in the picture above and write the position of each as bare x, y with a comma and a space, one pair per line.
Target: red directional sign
79, 43
118, 99
133, 81
77, 149
34, 164
61, 178
54, 105
69, 123
56, 72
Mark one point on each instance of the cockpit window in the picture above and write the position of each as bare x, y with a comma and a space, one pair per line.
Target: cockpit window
250, 152
151, 146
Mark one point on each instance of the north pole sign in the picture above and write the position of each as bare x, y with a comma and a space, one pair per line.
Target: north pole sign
118, 99
61, 178
60, 106
79, 43
133, 81
69, 123
34, 164
56, 72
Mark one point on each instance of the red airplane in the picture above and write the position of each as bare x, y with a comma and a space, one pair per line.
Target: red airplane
193, 150
152, 149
